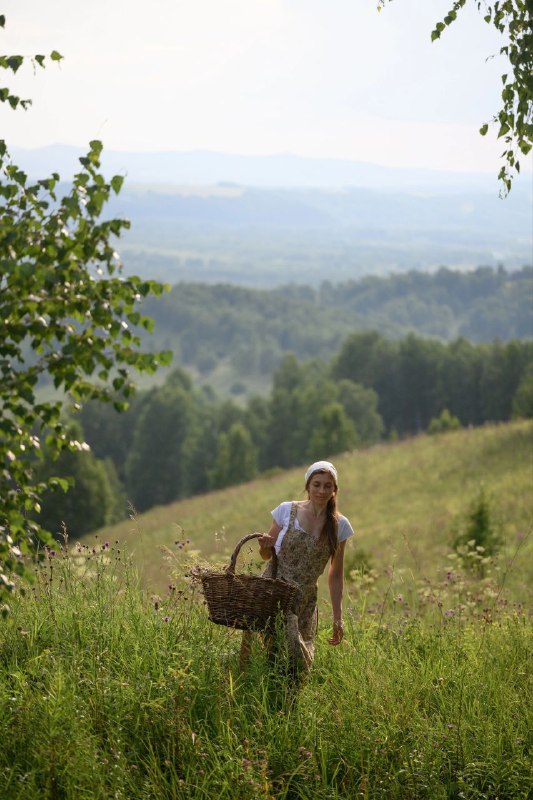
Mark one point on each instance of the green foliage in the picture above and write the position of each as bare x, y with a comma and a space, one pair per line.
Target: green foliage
361, 407
479, 526
163, 447
357, 565
443, 423
67, 316
333, 433
95, 497
523, 399
14, 63
416, 378
236, 458
477, 539
513, 19
110, 433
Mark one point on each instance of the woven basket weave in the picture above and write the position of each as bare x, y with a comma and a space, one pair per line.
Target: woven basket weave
247, 602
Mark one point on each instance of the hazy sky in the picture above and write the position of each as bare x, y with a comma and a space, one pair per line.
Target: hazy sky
330, 78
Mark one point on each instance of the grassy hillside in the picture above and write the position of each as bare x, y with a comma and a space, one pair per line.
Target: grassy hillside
109, 692
406, 501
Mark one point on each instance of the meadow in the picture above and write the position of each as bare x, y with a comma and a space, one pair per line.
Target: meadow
407, 501
114, 684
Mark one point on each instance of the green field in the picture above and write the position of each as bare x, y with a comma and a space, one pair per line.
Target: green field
113, 689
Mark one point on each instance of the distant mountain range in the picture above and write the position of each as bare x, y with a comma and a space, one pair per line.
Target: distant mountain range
283, 170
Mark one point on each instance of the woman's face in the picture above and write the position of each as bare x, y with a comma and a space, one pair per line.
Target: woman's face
321, 487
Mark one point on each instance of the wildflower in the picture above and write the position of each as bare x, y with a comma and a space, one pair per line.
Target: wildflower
449, 613
166, 619
399, 598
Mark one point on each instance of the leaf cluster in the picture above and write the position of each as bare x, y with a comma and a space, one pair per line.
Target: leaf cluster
65, 313
514, 120
14, 63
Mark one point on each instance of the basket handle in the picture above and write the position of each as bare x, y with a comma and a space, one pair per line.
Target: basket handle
231, 568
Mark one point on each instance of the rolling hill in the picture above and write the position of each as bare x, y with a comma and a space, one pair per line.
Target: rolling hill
406, 500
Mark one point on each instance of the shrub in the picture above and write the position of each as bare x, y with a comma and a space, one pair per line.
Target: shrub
443, 423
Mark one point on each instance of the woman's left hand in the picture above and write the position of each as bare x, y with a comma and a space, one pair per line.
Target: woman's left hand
338, 633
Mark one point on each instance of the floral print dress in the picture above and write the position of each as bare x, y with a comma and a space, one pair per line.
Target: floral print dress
301, 560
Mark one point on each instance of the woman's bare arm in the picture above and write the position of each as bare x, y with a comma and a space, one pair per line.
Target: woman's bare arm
336, 586
268, 540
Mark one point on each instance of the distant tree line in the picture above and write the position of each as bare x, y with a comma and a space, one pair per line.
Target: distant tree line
179, 439
251, 329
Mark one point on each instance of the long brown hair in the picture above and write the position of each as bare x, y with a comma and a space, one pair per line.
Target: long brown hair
330, 530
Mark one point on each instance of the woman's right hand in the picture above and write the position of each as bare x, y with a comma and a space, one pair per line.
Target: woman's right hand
265, 541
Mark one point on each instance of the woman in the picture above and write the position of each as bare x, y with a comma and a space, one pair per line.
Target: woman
306, 535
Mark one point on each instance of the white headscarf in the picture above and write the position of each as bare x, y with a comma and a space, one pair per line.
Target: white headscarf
321, 466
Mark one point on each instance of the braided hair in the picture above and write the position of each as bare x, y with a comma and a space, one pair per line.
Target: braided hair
330, 530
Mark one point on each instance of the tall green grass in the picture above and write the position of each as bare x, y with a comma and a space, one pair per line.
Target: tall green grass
108, 692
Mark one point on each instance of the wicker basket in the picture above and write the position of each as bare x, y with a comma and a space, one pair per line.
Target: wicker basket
247, 602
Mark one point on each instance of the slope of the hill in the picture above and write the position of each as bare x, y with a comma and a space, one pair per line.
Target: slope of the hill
406, 501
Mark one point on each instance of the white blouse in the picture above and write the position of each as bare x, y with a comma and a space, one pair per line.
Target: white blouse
282, 514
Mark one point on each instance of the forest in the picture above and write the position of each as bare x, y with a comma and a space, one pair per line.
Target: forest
234, 337
180, 439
